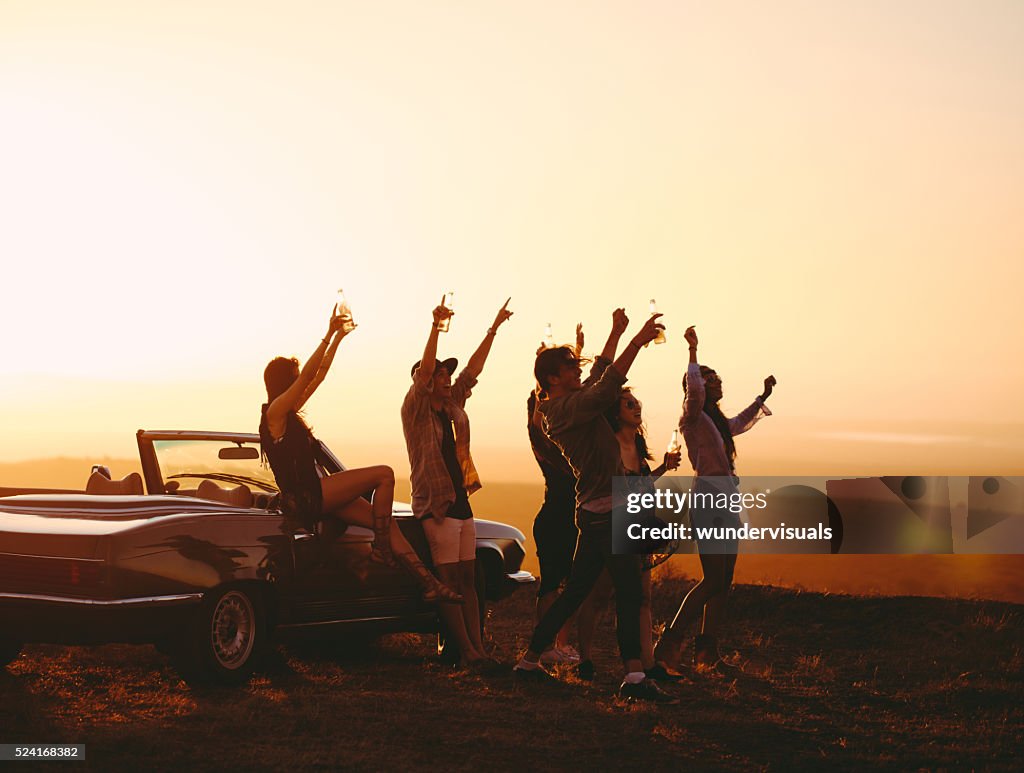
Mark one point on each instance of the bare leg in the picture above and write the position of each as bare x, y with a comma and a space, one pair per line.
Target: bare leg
344, 487
714, 615
455, 619
714, 612
359, 513
669, 650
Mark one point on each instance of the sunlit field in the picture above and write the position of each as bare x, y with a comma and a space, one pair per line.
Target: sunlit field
830, 682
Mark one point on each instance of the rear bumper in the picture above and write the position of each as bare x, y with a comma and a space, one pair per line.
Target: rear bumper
67, 620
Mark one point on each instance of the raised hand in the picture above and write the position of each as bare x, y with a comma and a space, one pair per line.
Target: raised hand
503, 314
769, 385
691, 336
619, 322
649, 331
441, 312
579, 339
338, 320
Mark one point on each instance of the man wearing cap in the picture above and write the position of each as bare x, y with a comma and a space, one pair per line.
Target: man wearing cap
443, 476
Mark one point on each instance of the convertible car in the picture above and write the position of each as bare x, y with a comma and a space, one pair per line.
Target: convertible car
204, 564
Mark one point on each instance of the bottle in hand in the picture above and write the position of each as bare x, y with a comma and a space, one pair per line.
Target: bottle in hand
661, 333
549, 338
346, 313
449, 299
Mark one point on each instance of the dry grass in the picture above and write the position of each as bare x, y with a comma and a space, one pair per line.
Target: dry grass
828, 682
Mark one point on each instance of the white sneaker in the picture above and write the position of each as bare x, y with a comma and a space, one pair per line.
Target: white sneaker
559, 656
571, 651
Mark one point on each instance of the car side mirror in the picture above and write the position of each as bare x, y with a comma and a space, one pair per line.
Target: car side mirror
238, 452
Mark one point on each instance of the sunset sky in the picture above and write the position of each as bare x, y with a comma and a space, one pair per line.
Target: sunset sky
832, 192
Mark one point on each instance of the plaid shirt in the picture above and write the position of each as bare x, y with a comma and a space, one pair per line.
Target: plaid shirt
432, 489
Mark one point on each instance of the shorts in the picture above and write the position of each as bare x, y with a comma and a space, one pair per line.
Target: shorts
451, 539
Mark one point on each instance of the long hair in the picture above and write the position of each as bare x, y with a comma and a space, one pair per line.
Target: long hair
713, 411
279, 374
612, 416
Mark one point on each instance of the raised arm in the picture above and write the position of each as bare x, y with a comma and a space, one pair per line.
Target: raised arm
293, 398
750, 415
599, 394
476, 363
645, 335
693, 405
604, 360
425, 372
325, 365
619, 324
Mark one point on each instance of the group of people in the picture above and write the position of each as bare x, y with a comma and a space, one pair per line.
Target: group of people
583, 434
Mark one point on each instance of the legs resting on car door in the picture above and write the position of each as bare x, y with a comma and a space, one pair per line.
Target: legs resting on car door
343, 498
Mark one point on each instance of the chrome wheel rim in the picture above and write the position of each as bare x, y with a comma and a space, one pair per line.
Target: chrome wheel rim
233, 630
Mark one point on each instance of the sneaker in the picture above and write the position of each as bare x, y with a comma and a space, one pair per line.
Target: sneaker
585, 670
558, 656
647, 690
659, 673
533, 675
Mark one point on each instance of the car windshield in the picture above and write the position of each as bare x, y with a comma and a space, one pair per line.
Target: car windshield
188, 462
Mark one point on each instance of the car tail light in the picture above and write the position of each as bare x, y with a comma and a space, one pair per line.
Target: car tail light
81, 573
50, 576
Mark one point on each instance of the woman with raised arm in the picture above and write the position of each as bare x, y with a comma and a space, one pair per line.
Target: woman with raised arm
443, 476
308, 498
712, 453
626, 420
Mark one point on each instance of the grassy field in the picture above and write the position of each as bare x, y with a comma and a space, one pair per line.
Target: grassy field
829, 681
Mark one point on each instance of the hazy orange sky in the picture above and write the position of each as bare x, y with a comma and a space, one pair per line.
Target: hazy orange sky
832, 192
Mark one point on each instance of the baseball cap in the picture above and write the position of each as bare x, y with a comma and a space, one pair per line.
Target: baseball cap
449, 365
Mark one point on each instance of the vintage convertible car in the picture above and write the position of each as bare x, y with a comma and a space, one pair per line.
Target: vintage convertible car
205, 565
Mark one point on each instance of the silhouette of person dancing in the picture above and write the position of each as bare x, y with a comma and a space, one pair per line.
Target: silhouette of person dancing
712, 452
574, 419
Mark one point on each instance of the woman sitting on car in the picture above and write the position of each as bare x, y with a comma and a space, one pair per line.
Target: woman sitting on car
290, 448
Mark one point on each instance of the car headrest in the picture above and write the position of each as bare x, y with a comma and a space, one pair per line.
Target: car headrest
99, 483
240, 496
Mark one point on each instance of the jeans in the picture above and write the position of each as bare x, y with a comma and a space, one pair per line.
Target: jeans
593, 554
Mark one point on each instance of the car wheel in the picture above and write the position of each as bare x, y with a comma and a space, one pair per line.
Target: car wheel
9, 650
227, 637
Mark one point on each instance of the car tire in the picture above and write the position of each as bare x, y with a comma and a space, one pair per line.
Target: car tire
227, 638
9, 651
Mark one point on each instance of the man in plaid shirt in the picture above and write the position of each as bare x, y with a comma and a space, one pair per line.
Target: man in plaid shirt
437, 435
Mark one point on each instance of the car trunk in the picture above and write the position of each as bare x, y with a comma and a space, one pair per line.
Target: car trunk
58, 544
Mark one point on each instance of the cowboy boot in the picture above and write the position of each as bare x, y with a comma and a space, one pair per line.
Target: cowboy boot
434, 591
